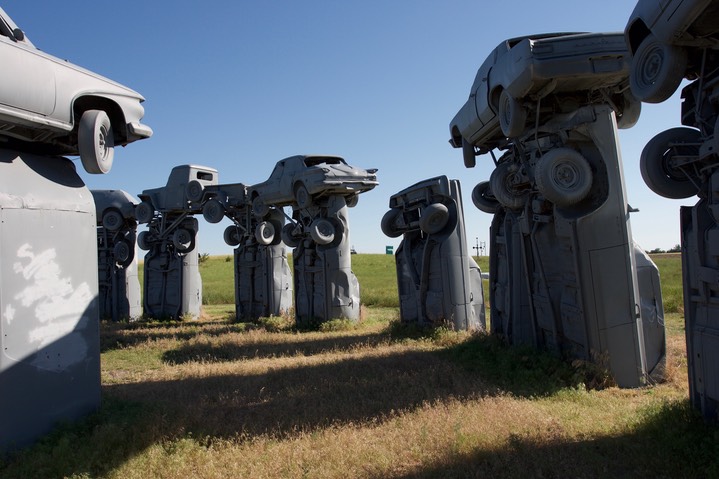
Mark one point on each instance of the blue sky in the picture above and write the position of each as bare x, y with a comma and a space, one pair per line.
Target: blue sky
239, 85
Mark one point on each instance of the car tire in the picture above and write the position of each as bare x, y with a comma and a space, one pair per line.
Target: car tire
352, 200
259, 207
182, 240
95, 142
434, 218
501, 182
231, 235
483, 198
655, 163
322, 231
389, 223
144, 212
563, 176
194, 191
302, 197
289, 238
657, 70
631, 110
123, 252
468, 154
112, 220
213, 211
512, 115
143, 240
265, 233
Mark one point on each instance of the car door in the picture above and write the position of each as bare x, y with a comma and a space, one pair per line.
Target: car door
28, 80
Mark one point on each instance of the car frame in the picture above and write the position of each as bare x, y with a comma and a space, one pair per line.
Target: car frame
546, 73
299, 180
50, 106
667, 40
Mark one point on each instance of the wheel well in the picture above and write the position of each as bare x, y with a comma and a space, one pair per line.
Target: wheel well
636, 33
494, 97
113, 110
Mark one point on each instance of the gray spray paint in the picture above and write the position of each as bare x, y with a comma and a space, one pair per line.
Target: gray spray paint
50, 358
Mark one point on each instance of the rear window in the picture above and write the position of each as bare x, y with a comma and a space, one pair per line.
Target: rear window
327, 160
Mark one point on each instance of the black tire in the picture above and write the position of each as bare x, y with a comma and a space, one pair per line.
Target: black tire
213, 211
563, 176
322, 231
194, 190
631, 110
657, 70
112, 220
231, 235
512, 115
483, 198
95, 142
468, 154
259, 207
144, 212
265, 233
182, 240
501, 182
352, 200
143, 240
434, 218
302, 196
389, 224
289, 238
123, 252
656, 163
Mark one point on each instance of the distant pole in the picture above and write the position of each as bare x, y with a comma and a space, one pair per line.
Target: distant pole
483, 248
476, 247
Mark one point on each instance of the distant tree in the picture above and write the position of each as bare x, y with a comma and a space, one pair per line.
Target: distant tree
676, 249
656, 250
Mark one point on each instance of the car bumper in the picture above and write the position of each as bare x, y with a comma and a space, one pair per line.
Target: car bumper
138, 131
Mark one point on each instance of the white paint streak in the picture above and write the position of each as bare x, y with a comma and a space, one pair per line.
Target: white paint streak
9, 313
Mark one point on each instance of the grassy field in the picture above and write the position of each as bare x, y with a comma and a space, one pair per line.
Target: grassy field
218, 399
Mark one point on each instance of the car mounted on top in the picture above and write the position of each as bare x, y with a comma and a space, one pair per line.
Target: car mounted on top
50, 106
526, 80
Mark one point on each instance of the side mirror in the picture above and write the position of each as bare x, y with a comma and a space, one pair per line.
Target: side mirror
18, 34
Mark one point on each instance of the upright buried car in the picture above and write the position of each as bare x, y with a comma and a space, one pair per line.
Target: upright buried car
527, 80
51, 106
299, 179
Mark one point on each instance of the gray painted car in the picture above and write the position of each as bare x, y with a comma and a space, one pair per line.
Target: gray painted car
300, 179
668, 40
549, 73
51, 106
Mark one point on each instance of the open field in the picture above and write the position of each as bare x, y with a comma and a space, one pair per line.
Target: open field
214, 398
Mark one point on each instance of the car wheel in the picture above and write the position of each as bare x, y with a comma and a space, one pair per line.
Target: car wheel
143, 240
289, 238
194, 191
95, 142
231, 235
144, 212
658, 163
352, 200
631, 109
389, 223
265, 233
182, 240
657, 69
112, 220
259, 208
302, 196
122, 251
512, 115
502, 182
563, 176
483, 198
322, 231
468, 154
213, 211
434, 218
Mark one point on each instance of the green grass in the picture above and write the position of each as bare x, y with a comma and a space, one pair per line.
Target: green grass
215, 398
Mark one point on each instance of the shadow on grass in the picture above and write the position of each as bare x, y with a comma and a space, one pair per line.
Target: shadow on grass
284, 402
670, 440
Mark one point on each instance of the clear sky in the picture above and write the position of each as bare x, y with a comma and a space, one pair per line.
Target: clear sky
238, 85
